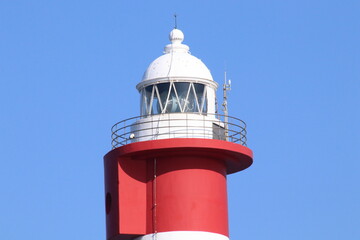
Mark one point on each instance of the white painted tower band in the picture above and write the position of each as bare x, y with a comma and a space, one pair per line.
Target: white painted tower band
183, 235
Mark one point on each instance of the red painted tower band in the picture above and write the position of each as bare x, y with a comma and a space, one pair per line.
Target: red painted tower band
170, 185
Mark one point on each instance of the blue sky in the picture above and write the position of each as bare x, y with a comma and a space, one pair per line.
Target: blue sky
68, 71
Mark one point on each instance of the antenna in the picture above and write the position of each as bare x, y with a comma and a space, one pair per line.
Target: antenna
226, 88
175, 18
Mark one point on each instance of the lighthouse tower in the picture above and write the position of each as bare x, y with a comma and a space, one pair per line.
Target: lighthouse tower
165, 177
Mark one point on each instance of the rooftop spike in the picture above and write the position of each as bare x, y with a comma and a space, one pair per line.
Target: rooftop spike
175, 19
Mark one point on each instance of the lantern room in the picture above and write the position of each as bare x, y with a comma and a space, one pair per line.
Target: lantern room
177, 82
178, 100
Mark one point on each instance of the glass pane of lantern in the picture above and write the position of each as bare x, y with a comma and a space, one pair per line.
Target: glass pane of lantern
201, 96
163, 92
143, 103
172, 104
156, 92
156, 109
204, 103
146, 99
191, 103
182, 89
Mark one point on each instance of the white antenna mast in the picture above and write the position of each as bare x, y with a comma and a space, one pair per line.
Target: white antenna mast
226, 88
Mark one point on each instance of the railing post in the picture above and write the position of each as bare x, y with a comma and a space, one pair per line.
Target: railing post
187, 126
168, 127
203, 120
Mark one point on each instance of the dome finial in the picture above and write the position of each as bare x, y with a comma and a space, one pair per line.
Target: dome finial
176, 36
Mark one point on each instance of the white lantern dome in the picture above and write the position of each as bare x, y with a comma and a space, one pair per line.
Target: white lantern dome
177, 64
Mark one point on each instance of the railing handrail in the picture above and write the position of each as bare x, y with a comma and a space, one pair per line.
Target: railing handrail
123, 132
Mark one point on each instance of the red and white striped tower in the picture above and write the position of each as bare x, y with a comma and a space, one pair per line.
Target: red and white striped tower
165, 177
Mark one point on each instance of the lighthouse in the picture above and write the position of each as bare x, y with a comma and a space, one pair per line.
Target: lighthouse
165, 177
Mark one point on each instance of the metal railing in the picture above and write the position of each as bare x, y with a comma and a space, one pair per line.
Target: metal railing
175, 125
